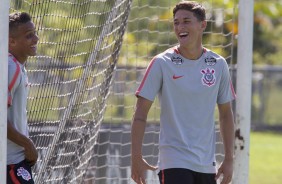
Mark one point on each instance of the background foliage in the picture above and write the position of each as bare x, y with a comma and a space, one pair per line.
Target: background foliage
267, 28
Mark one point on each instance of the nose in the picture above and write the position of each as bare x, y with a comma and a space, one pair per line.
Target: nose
36, 38
181, 26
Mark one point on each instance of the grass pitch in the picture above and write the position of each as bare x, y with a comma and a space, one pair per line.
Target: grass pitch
265, 158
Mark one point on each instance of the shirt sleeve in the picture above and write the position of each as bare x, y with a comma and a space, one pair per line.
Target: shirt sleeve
152, 80
226, 91
13, 81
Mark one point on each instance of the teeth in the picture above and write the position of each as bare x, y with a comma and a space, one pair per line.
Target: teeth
183, 34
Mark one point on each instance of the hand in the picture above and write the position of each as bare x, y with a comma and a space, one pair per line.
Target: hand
226, 169
138, 169
31, 154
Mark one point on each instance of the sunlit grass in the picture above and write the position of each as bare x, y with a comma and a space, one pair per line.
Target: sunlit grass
265, 158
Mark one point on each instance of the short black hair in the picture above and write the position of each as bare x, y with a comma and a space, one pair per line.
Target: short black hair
16, 19
192, 6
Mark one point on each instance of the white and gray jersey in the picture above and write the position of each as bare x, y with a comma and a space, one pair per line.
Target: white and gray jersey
188, 92
17, 101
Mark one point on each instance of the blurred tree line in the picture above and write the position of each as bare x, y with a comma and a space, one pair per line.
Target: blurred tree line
152, 21
150, 27
267, 32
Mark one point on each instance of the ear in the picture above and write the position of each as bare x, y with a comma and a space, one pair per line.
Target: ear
12, 41
204, 24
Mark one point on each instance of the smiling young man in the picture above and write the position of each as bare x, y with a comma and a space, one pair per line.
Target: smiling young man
189, 80
21, 152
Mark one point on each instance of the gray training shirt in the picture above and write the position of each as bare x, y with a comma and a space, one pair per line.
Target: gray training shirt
188, 92
17, 101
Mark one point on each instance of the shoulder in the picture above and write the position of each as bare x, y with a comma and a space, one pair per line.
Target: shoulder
14, 71
13, 66
213, 54
211, 58
169, 52
167, 56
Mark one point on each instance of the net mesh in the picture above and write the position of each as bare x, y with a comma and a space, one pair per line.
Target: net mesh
150, 32
69, 82
81, 125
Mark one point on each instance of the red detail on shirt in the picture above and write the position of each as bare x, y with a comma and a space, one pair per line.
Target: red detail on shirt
176, 50
163, 177
13, 175
177, 77
145, 77
11, 85
232, 89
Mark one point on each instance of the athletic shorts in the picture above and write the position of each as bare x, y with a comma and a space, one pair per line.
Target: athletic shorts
19, 173
185, 176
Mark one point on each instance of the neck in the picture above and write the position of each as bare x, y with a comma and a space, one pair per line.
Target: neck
21, 59
193, 53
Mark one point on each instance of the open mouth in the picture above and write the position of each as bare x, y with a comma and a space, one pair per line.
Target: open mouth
183, 35
34, 48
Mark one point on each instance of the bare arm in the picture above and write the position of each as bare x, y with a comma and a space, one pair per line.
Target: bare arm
138, 164
13, 135
226, 120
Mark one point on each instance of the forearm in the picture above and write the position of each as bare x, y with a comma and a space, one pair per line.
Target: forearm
30, 151
137, 134
227, 129
138, 164
16, 137
227, 133
138, 125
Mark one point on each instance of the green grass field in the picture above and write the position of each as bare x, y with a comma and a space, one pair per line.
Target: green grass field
265, 158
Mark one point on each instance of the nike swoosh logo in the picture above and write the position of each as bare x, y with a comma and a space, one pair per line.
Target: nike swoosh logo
177, 77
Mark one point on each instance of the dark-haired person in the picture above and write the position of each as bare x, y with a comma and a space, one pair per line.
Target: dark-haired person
189, 80
21, 152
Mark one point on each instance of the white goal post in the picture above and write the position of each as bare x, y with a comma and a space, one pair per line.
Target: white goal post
4, 9
244, 87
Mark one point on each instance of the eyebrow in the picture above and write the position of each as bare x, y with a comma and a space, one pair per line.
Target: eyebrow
186, 18
30, 31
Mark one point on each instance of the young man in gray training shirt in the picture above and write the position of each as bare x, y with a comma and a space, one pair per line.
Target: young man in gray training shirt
189, 80
21, 152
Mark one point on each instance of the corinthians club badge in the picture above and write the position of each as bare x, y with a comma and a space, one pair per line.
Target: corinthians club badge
208, 78
23, 173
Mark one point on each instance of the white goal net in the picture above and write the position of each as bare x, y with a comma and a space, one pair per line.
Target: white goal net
69, 82
150, 32
83, 81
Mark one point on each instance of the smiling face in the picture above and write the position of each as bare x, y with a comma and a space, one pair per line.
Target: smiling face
188, 29
23, 41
